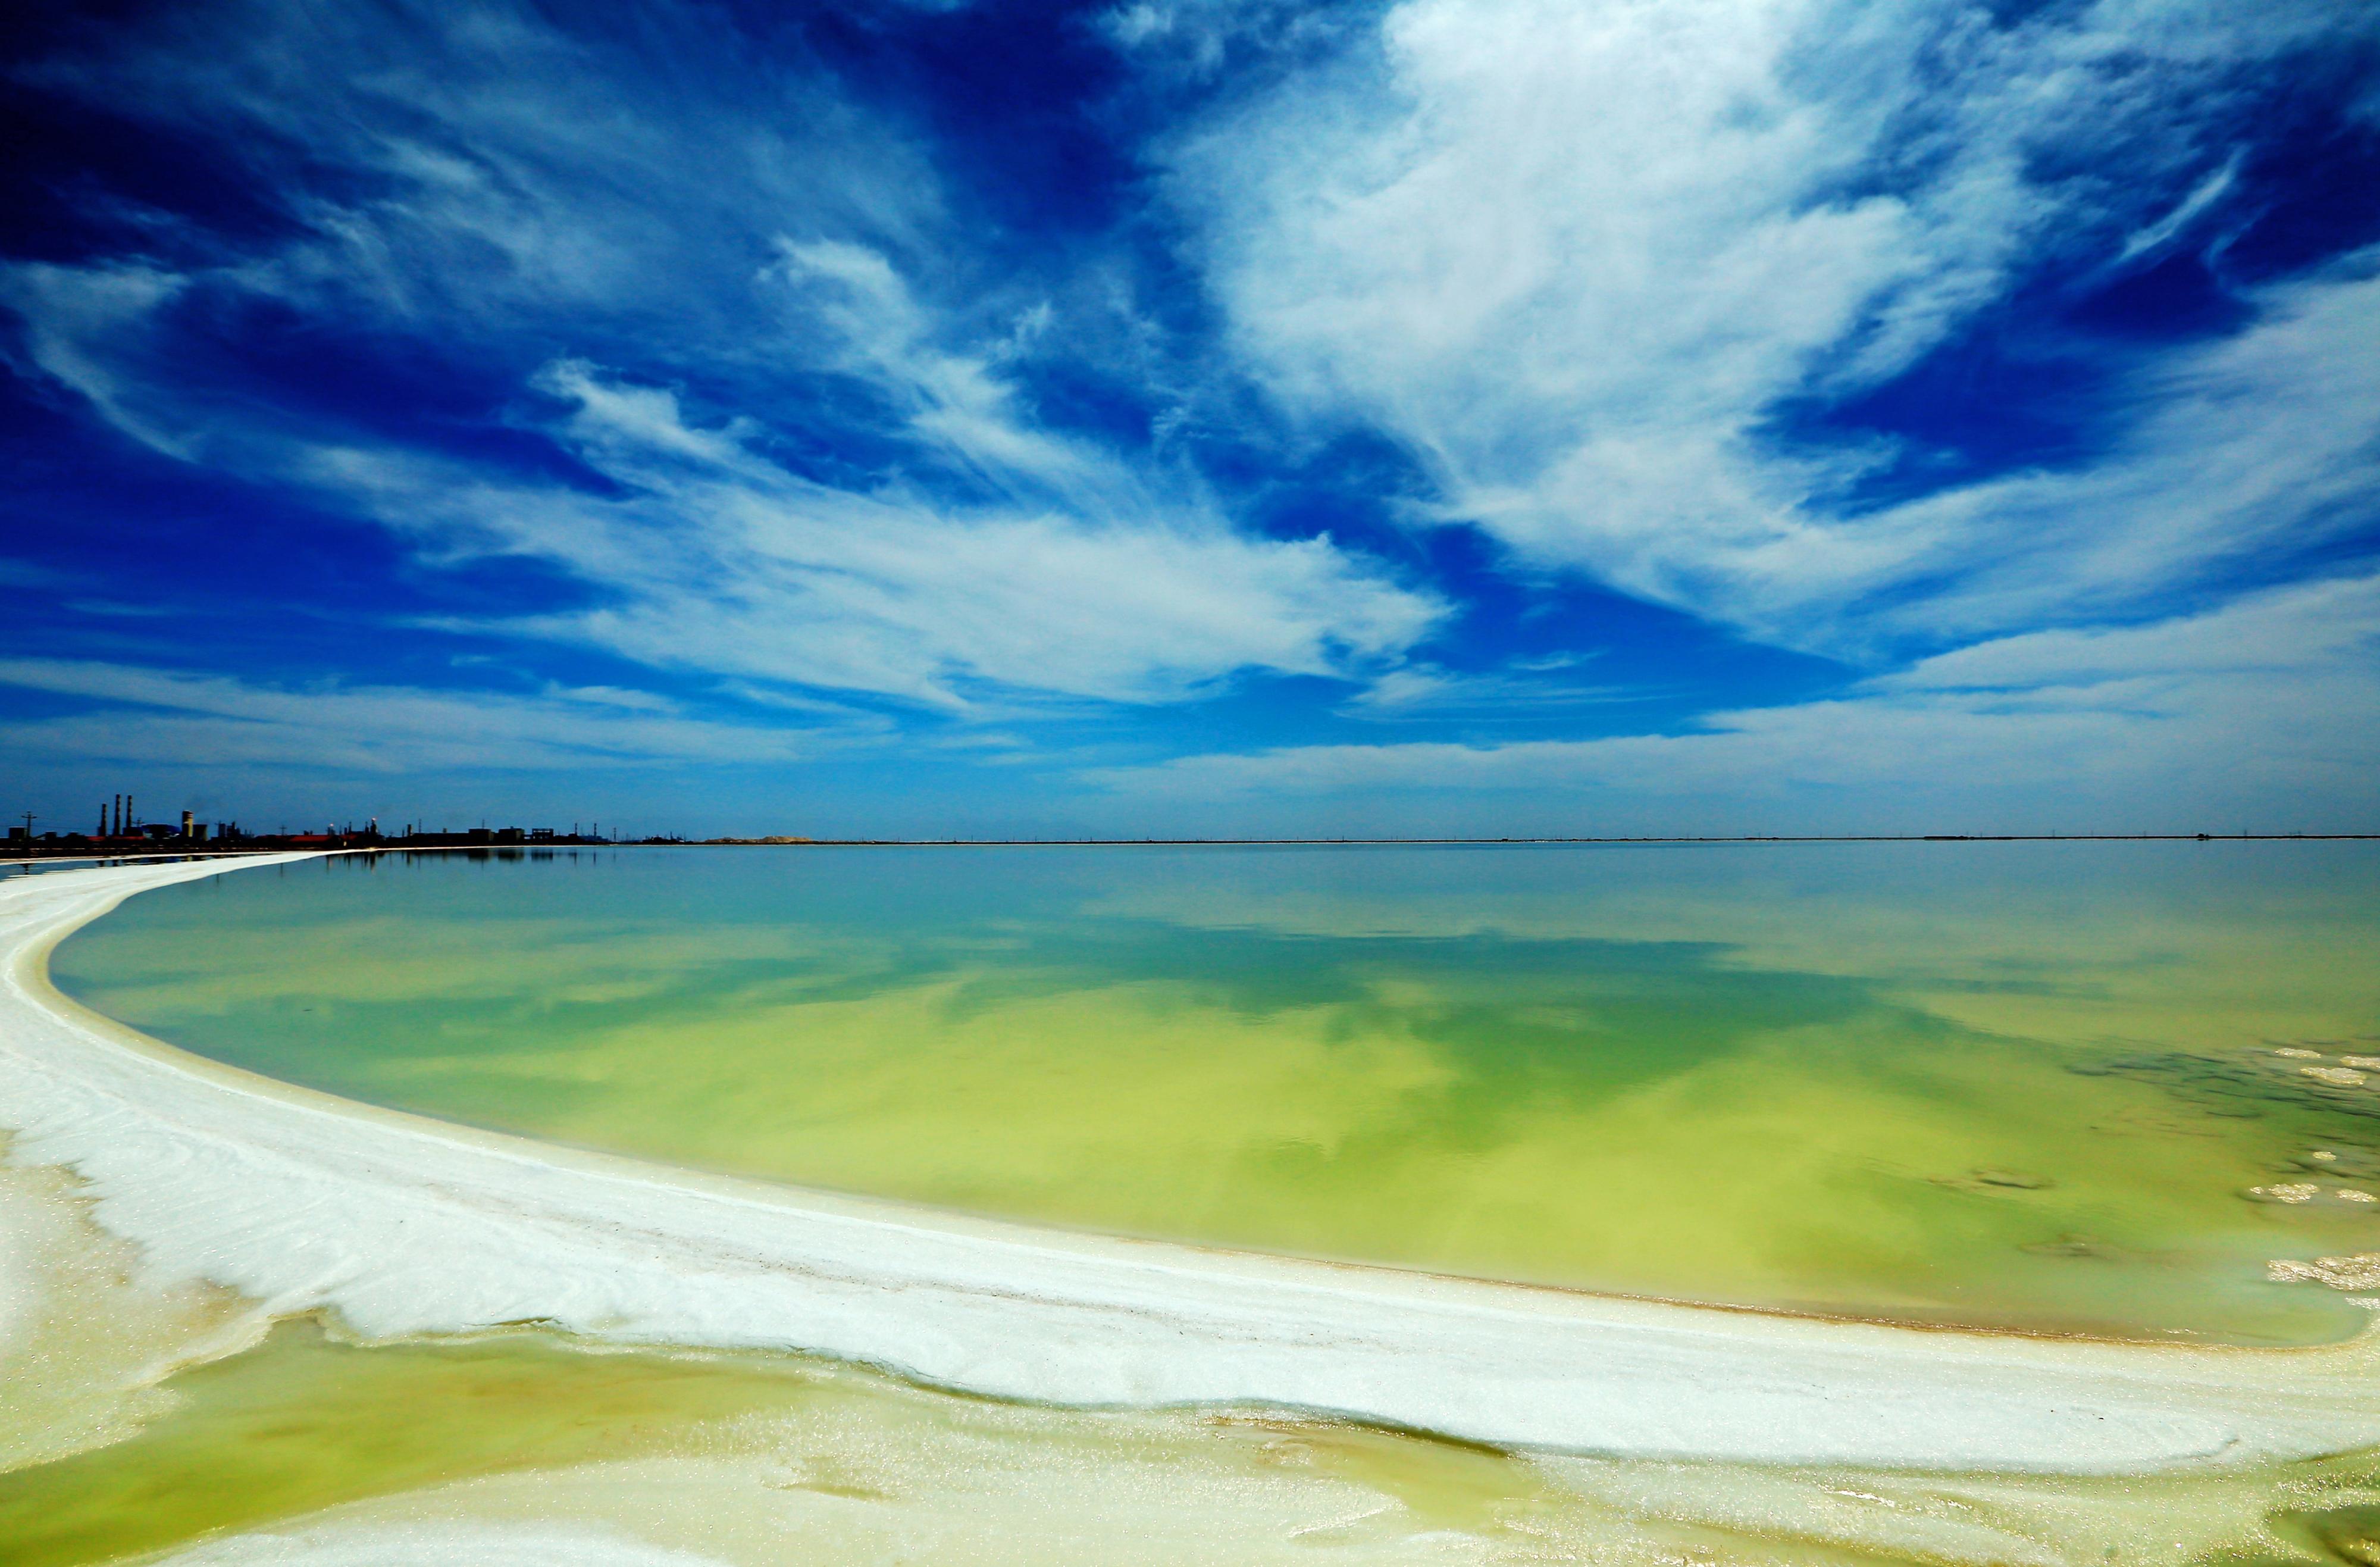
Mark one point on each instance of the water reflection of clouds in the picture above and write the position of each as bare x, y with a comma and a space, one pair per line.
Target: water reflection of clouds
2073, 941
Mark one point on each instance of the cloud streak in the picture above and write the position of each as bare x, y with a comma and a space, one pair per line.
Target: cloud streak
157, 716
2267, 705
721, 562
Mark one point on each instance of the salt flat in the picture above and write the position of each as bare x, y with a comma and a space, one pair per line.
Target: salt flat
407, 1226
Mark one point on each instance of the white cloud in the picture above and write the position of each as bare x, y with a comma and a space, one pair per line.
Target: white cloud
2317, 628
613, 696
508, 186
2246, 450
956, 407
78, 324
27, 573
166, 717
2163, 232
1574, 255
469, 160
1195, 40
722, 562
2269, 704
1425, 690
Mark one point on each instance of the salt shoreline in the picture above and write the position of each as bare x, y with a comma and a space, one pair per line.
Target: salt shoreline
406, 1226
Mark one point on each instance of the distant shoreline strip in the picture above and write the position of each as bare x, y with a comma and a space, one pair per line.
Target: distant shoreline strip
1424, 842
399, 845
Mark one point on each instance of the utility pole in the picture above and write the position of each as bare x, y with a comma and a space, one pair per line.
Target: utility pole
29, 827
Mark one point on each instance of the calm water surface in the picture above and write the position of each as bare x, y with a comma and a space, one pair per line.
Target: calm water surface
2060, 1085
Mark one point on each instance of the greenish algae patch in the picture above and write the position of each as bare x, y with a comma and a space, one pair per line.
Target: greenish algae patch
304, 1423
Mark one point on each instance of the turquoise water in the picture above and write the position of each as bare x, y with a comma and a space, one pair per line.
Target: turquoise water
2060, 1087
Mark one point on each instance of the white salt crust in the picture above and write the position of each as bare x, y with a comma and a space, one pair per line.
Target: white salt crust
433, 1544
409, 1226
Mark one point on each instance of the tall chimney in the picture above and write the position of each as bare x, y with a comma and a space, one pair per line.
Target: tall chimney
102, 819
115, 828
130, 821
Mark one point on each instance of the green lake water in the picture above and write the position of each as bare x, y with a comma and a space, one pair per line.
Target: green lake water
2062, 1086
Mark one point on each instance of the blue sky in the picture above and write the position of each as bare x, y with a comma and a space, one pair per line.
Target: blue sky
1196, 416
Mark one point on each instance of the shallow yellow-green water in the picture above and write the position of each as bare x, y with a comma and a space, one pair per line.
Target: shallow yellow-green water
301, 1424
2021, 1085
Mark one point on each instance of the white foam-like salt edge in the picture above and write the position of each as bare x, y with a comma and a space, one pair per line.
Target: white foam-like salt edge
405, 1226
441, 1544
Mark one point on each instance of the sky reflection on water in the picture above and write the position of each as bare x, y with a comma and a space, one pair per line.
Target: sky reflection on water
2023, 1084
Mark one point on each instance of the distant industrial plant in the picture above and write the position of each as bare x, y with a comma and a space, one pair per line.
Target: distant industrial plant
121, 831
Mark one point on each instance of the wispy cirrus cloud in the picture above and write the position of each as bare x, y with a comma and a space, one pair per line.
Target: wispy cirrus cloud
153, 717
1581, 259
871, 506
429, 163
1421, 690
2266, 705
727, 563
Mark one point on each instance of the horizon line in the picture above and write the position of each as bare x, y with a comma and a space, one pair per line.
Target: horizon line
783, 841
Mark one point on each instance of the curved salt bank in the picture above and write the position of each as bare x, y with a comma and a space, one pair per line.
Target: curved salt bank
407, 1226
